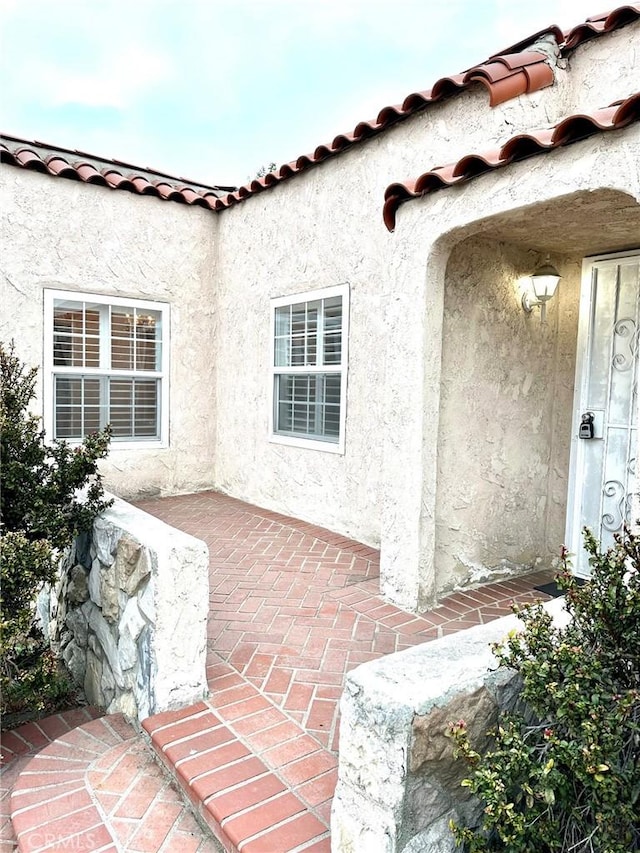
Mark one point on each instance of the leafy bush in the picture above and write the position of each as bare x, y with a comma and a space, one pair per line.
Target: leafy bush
564, 774
40, 514
40, 480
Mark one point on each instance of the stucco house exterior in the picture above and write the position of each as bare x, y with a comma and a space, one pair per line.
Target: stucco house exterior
343, 340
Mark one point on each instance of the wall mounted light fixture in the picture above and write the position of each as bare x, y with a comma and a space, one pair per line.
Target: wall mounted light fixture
544, 282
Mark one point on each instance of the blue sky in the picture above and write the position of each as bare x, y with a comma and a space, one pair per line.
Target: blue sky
215, 89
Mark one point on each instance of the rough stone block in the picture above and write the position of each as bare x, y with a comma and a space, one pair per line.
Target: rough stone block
146, 603
129, 629
132, 620
93, 679
124, 703
77, 585
105, 539
83, 549
431, 747
438, 838
110, 604
398, 784
95, 583
107, 686
75, 659
108, 644
132, 564
140, 630
76, 622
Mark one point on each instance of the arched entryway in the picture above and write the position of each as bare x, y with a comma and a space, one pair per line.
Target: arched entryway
506, 407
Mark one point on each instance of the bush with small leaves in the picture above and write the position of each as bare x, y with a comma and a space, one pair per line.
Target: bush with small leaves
564, 773
40, 514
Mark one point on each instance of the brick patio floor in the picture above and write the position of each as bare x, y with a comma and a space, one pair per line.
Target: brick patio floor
81, 781
293, 608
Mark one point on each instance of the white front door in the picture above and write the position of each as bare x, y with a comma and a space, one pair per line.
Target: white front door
602, 480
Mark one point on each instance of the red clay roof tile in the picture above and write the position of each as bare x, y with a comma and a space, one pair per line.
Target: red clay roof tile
116, 181
114, 174
571, 129
514, 71
58, 166
598, 24
88, 173
28, 159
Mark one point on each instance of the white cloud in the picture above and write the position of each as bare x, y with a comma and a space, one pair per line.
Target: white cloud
115, 79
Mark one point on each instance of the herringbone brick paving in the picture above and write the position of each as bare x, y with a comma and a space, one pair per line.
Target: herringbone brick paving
294, 607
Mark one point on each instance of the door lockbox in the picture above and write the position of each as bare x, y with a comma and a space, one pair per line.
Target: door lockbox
586, 425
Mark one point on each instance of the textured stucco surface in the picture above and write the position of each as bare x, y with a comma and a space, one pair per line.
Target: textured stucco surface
505, 415
70, 236
436, 340
398, 784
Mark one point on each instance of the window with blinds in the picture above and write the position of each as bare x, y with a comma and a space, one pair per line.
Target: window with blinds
309, 366
108, 365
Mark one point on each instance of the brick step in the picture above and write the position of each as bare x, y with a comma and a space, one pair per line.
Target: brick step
254, 775
89, 783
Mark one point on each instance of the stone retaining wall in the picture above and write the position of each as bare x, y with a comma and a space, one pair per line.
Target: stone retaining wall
398, 784
129, 613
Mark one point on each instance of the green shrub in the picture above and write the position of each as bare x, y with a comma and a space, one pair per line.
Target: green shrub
40, 514
40, 480
564, 772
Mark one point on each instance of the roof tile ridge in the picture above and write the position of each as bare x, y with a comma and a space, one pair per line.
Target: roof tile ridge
106, 162
572, 128
530, 75
516, 68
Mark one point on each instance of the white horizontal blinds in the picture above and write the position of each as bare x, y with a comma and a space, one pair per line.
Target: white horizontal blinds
78, 408
332, 331
331, 408
308, 339
296, 340
76, 334
309, 404
133, 408
135, 341
121, 345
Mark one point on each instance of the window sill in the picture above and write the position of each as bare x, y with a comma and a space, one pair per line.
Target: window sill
308, 443
137, 445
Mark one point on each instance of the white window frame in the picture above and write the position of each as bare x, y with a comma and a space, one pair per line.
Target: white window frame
327, 446
51, 370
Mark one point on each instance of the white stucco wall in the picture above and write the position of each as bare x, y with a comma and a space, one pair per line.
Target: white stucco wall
505, 416
61, 234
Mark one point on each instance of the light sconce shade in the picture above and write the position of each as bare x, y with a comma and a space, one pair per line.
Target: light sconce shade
544, 282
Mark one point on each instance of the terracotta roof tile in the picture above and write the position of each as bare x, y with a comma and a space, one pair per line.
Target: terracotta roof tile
29, 160
508, 76
58, 166
88, 173
571, 129
514, 71
117, 182
599, 24
87, 168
